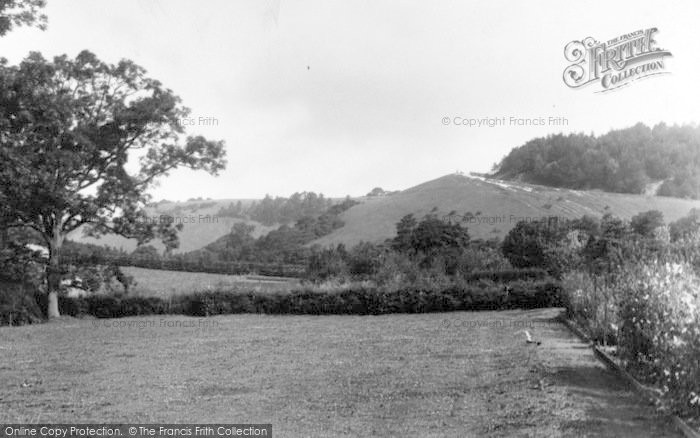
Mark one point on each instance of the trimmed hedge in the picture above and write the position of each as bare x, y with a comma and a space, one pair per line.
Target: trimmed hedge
104, 306
356, 301
508, 275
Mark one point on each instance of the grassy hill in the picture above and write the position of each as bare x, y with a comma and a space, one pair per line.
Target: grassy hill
201, 225
501, 205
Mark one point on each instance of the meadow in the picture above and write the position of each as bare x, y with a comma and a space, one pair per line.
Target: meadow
458, 374
163, 284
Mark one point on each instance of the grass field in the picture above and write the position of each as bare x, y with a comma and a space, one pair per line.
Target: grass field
463, 374
161, 283
204, 227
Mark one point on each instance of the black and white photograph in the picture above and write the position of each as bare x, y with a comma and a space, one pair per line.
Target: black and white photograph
349, 218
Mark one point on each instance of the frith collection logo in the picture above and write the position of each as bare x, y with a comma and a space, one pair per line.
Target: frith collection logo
616, 62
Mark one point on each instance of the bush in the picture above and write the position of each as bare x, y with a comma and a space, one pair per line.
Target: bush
481, 257
500, 276
660, 329
18, 305
651, 310
105, 306
592, 302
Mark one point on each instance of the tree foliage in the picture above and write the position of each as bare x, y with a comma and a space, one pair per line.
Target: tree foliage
551, 244
686, 227
280, 210
431, 241
285, 244
647, 222
15, 13
624, 161
71, 130
67, 128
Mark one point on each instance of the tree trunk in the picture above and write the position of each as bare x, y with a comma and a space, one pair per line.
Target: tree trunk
53, 306
54, 284
54, 275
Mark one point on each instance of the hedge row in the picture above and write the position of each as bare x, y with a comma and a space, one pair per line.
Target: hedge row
502, 276
229, 268
357, 301
277, 270
102, 306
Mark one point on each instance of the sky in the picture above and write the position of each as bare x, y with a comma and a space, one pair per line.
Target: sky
340, 97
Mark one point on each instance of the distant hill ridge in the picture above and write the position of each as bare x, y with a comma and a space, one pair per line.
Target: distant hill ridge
496, 205
201, 225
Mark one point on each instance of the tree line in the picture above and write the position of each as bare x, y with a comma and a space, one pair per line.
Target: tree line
279, 210
624, 161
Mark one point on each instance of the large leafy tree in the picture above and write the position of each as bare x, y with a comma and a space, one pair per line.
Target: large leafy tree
430, 240
21, 13
15, 13
81, 142
433, 236
546, 243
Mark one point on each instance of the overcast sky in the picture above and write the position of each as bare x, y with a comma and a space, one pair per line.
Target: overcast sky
340, 97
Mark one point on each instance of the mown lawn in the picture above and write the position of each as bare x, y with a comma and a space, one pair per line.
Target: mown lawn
162, 283
462, 374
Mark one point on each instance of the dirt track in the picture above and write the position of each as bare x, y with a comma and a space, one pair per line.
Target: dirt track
586, 397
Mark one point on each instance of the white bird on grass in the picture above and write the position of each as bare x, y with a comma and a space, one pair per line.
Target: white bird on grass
529, 339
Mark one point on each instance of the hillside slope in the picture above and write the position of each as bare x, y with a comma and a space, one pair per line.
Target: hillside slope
201, 226
501, 204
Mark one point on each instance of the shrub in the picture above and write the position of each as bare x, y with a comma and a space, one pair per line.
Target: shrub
101, 278
592, 302
651, 309
660, 329
327, 263
482, 256
397, 269
18, 305
105, 306
508, 275
364, 260
133, 306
